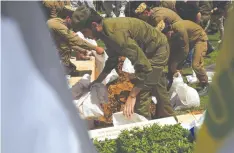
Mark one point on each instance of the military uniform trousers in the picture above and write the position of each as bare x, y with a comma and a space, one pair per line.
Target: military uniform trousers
158, 89
200, 49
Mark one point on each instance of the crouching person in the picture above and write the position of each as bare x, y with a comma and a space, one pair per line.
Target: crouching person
126, 37
67, 40
183, 36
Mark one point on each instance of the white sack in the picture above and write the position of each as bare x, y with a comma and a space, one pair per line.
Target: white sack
188, 97
113, 75
182, 95
193, 78
87, 39
120, 119
81, 86
128, 67
89, 102
176, 81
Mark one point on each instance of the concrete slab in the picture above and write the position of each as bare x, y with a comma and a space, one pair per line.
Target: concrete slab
83, 65
113, 132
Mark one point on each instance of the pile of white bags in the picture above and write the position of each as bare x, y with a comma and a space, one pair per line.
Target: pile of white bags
193, 78
88, 101
183, 96
120, 119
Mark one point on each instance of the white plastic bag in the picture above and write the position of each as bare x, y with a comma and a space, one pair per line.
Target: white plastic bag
188, 97
128, 67
81, 86
87, 39
120, 119
113, 75
177, 80
88, 102
193, 78
183, 96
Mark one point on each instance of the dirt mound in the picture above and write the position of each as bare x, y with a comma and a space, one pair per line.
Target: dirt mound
118, 93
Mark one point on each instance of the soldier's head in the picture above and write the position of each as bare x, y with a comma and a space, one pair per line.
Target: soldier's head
88, 21
66, 14
93, 25
80, 17
143, 12
167, 30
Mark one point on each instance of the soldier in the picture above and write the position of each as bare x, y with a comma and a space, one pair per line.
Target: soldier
54, 8
156, 16
66, 40
183, 36
168, 4
205, 8
123, 37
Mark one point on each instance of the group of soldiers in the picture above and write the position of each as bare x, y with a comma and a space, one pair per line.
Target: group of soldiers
151, 38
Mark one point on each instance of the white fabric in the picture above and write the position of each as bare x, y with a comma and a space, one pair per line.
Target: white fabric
87, 39
34, 121
100, 62
128, 67
78, 89
183, 96
120, 119
88, 102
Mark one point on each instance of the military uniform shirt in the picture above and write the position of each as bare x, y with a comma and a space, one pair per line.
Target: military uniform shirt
65, 38
186, 32
123, 37
165, 14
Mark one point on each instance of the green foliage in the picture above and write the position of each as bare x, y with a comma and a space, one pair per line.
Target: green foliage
153, 139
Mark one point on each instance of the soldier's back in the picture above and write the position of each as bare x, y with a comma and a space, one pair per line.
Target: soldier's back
165, 14
193, 30
136, 29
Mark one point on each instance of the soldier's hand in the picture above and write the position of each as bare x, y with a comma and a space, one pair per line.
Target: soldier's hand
129, 107
99, 50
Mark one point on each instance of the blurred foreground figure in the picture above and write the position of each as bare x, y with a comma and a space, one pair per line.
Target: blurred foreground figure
217, 132
38, 115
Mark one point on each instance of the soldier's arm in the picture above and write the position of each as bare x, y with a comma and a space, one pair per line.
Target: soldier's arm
135, 54
73, 39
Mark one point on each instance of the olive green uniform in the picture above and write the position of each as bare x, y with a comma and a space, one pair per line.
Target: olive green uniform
168, 4
66, 40
159, 13
205, 8
188, 35
54, 8
123, 37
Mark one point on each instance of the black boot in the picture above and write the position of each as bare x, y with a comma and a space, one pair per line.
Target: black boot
210, 48
203, 90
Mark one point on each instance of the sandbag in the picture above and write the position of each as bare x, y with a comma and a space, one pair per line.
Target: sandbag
89, 101
177, 80
120, 119
188, 97
182, 95
193, 78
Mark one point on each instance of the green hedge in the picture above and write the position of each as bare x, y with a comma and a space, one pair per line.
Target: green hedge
153, 139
